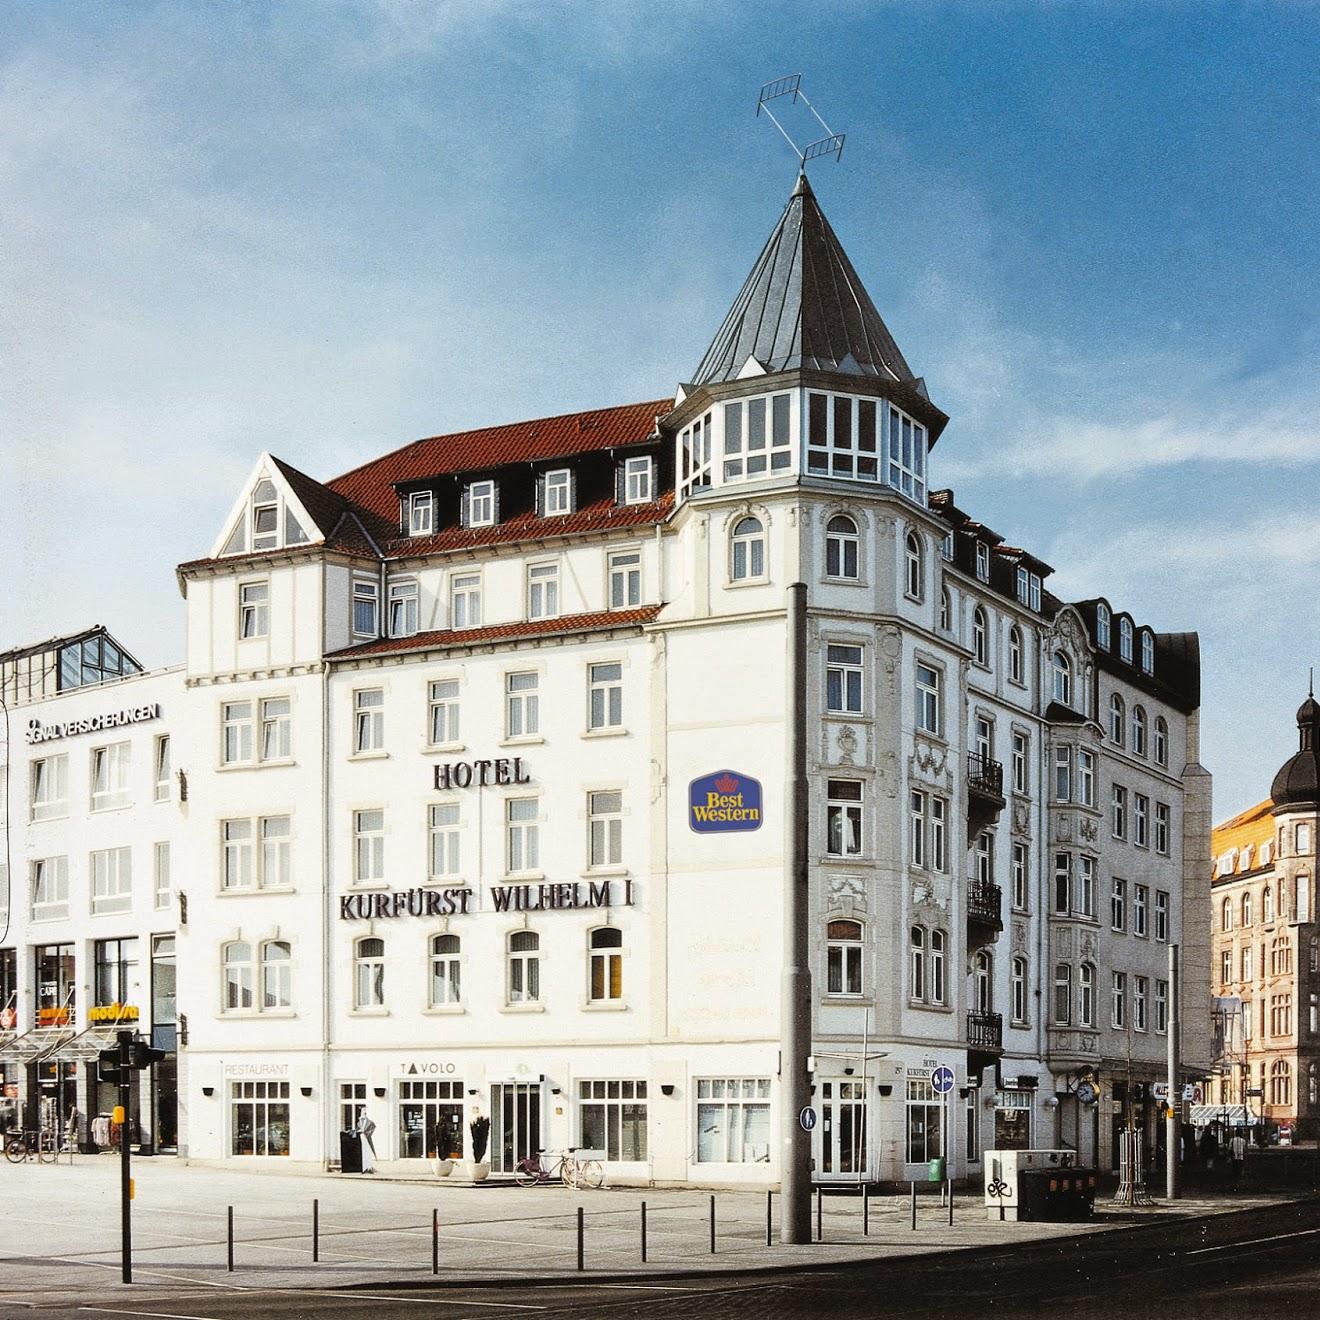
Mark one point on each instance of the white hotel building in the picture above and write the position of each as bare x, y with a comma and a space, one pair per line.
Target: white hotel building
444, 720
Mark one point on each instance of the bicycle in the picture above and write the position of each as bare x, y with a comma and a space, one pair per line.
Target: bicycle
570, 1170
19, 1146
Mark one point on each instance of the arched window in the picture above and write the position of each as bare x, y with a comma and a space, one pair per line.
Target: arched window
1280, 956
1147, 651
1246, 909
1267, 905
946, 610
1226, 914
606, 964
1086, 996
912, 569
1161, 741
843, 958
937, 967
747, 550
1063, 684
1063, 994
1015, 668
240, 977
1138, 731
369, 973
276, 974
524, 975
1125, 640
446, 971
983, 996
1280, 1083
1018, 969
842, 547
1102, 626
980, 637
917, 962
1116, 719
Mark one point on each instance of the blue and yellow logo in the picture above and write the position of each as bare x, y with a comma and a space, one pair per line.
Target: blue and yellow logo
724, 802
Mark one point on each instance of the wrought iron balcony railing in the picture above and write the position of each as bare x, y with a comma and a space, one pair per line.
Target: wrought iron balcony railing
985, 1031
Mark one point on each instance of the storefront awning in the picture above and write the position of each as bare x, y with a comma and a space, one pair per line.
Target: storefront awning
62, 1044
1229, 1115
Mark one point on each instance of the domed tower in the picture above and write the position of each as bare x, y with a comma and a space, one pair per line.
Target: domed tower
1297, 785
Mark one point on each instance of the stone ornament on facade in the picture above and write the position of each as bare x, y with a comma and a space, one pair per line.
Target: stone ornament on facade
1022, 819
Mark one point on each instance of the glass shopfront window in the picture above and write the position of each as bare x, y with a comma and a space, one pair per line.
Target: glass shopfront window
613, 1118
259, 1118
430, 1120
733, 1120
1013, 1120
925, 1113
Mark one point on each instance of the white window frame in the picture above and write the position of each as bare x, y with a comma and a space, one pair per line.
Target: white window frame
624, 574
605, 965
522, 704
929, 699
275, 729
758, 437
161, 890
368, 720
481, 504
845, 825
421, 513
366, 593
254, 609
404, 608
111, 767
843, 549
443, 712
747, 549
369, 973
445, 959
543, 590
465, 601
368, 845
845, 678
522, 835
639, 479
557, 499
110, 880
845, 963
522, 975
162, 786
605, 829
604, 695
445, 840
49, 779
50, 888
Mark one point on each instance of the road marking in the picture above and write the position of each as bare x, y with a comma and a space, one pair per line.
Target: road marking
1252, 1242
160, 1315
349, 1294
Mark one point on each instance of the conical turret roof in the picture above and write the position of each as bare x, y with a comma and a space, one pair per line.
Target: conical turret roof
803, 306
1298, 782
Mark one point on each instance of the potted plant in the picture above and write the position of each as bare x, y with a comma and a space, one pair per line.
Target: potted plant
476, 1168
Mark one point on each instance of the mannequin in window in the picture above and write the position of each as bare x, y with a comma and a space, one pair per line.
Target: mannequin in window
365, 1128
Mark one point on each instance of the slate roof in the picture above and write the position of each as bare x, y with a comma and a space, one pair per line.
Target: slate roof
803, 306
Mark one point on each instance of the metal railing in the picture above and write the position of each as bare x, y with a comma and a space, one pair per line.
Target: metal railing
985, 774
985, 903
985, 1031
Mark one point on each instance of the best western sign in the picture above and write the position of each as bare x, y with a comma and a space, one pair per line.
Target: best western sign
724, 803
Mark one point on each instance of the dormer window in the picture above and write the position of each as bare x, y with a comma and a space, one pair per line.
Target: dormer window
267, 522
1147, 652
638, 480
265, 516
1102, 626
946, 546
421, 513
1125, 640
983, 561
479, 504
557, 493
1028, 588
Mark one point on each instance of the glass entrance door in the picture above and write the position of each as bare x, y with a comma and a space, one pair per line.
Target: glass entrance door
841, 1144
515, 1123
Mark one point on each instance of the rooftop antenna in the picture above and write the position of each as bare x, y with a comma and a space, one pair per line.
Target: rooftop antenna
830, 145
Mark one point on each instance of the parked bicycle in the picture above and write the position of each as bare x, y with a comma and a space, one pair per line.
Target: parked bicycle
20, 1146
566, 1166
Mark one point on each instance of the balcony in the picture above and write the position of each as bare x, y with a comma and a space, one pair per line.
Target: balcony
985, 1032
985, 792
985, 908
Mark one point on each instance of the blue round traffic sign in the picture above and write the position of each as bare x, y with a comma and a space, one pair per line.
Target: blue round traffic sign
941, 1080
807, 1118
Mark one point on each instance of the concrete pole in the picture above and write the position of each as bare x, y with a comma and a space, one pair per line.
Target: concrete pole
1173, 1122
795, 1005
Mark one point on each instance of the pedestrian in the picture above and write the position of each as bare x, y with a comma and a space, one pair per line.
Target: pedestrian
1237, 1153
365, 1127
1209, 1147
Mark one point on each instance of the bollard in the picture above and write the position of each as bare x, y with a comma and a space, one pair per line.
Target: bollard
581, 1230
769, 1219
643, 1232
230, 1236
435, 1241
866, 1210
316, 1229
949, 1184
712, 1225
820, 1232
914, 1207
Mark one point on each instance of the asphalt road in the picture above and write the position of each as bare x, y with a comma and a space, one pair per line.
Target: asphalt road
1256, 1262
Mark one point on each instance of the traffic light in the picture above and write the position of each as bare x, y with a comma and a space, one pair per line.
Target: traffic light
144, 1056
107, 1064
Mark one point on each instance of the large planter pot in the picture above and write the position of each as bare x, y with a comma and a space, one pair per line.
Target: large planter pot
443, 1168
475, 1172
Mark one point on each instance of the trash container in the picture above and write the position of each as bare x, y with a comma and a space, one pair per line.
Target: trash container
350, 1152
935, 1170
1056, 1195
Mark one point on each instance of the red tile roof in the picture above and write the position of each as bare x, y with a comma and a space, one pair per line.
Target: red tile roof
442, 638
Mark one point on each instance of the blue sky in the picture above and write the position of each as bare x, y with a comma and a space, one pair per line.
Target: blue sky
325, 229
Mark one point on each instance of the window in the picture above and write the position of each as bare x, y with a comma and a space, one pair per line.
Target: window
1021, 782
368, 720
1063, 774
917, 963
936, 985
253, 609
1063, 882
928, 699
444, 835
558, 492
606, 952
1021, 877
109, 776
1063, 994
160, 875
1267, 905
112, 880
980, 637
1247, 969
402, 597
733, 1120
50, 787
913, 574
1118, 811
1301, 897
1116, 719
465, 600
939, 854
747, 550
843, 822
442, 711
237, 729
605, 695
1161, 915
637, 480
366, 607
983, 561
842, 546
240, 977
259, 1118
1147, 652
1086, 886
1086, 995
694, 465
1303, 838
946, 546
985, 857
245, 867
1118, 1000
523, 834
276, 975
524, 967
1138, 731
265, 509
369, 846
1125, 640
749, 445
925, 1119
542, 591
369, 972
604, 829
276, 733
114, 971
843, 679
522, 705
161, 762
843, 958
1015, 661
1118, 904
1140, 989
430, 1116
446, 972
480, 500
1018, 979
1102, 626
1280, 1083
1085, 777
983, 983
1161, 1006
421, 513
1140, 820
625, 570
612, 1115
946, 610
917, 830
50, 888
1062, 669
1140, 907
1161, 741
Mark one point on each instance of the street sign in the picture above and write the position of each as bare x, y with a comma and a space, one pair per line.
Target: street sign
1159, 1092
1194, 1092
807, 1118
941, 1080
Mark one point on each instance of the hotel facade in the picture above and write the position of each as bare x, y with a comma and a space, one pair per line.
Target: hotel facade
486, 744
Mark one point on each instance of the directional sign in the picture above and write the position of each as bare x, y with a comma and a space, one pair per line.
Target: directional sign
941, 1080
807, 1118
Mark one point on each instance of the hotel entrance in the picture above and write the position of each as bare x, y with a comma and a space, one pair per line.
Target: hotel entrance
840, 1153
515, 1124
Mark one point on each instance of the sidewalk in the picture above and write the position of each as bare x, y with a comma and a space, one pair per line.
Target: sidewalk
64, 1230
